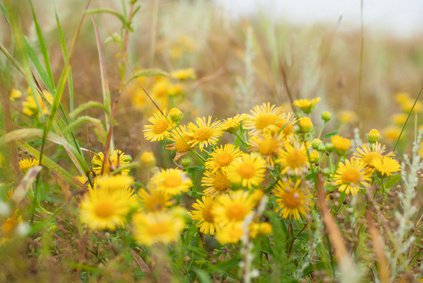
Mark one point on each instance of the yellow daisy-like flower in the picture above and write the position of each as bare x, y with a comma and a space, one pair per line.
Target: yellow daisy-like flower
292, 200
306, 125
351, 175
267, 145
247, 170
105, 209
399, 119
203, 213
171, 181
215, 183
264, 116
180, 141
161, 87
233, 207
184, 74
229, 234
204, 132
115, 160
306, 105
158, 227
26, 163
222, 157
293, 158
257, 229
115, 182
231, 124
340, 144
159, 128
154, 200
386, 165
370, 152
15, 94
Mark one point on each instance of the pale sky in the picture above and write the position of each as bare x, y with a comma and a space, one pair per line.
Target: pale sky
400, 17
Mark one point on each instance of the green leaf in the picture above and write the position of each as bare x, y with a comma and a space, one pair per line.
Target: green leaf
203, 276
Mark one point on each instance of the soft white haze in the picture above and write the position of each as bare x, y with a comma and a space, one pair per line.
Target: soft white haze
400, 17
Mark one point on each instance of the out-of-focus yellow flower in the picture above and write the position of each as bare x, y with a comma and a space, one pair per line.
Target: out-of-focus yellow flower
147, 159
326, 116
26, 163
232, 207
184, 74
231, 124
399, 119
306, 125
180, 138
159, 127
247, 170
15, 94
32, 101
215, 183
154, 200
158, 227
340, 144
347, 117
115, 160
314, 156
264, 116
175, 114
171, 181
230, 234
222, 157
204, 132
391, 133
293, 158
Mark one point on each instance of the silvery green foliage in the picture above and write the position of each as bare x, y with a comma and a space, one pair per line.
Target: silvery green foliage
401, 238
245, 89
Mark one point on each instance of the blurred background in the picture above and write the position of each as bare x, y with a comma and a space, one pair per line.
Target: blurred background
244, 53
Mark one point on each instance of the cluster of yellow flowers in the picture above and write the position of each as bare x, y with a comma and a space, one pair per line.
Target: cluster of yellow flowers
269, 153
32, 103
165, 90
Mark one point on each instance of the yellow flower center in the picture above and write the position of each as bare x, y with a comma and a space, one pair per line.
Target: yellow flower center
292, 199
369, 157
264, 120
181, 144
172, 181
351, 175
158, 229
160, 126
220, 182
203, 134
224, 158
297, 158
246, 170
236, 212
268, 146
207, 214
104, 209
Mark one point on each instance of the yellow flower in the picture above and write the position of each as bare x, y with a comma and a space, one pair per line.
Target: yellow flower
184, 74
105, 209
115, 160
391, 133
351, 175
421, 150
231, 124
203, 213
159, 128
373, 136
267, 145
370, 152
180, 141
232, 207
340, 144
175, 114
292, 200
347, 117
314, 156
386, 165
158, 227
306, 105
229, 234
399, 119
171, 181
175, 89
160, 88
306, 125
15, 94
293, 158
27, 163
154, 200
264, 116
247, 170
113, 182
34, 102
215, 183
257, 229
147, 159
222, 157
204, 132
